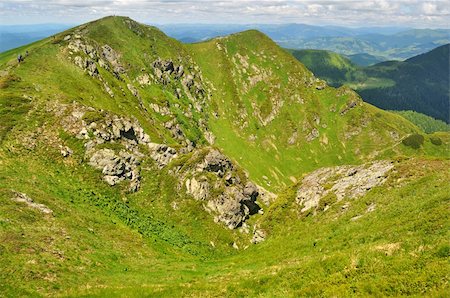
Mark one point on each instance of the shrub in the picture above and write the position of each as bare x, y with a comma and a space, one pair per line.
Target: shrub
436, 141
413, 141
443, 251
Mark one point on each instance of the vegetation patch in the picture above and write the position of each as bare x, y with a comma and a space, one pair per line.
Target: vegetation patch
414, 141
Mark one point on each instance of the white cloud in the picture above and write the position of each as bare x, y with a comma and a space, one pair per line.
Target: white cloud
319, 12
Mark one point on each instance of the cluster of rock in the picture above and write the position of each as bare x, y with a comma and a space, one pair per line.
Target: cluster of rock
119, 164
187, 80
88, 57
230, 197
117, 167
340, 182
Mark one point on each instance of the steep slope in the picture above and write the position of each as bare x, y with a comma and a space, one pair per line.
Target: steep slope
331, 67
419, 83
134, 165
278, 121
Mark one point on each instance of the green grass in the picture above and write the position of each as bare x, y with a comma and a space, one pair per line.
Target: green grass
104, 241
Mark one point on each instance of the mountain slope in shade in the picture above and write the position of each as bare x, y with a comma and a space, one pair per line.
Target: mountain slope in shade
420, 83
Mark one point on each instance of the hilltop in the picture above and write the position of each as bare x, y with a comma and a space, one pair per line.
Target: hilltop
132, 164
419, 83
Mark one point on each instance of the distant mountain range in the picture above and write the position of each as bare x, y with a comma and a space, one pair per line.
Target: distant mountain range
364, 46
18, 35
420, 83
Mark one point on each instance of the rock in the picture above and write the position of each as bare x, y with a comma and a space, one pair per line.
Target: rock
217, 163
188, 81
350, 105
161, 153
336, 183
111, 180
143, 79
198, 189
168, 66
23, 198
79, 62
65, 151
258, 236
210, 137
320, 84
133, 90
251, 190
113, 58
314, 134
67, 37
91, 68
293, 138
108, 90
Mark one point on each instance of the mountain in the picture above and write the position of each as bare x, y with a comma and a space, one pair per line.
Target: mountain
364, 46
18, 35
420, 83
134, 165
363, 59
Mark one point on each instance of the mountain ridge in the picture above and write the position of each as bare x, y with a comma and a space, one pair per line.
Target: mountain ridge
174, 169
389, 84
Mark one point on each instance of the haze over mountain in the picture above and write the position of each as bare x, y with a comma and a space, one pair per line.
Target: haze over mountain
380, 44
132, 165
420, 83
13, 36
364, 46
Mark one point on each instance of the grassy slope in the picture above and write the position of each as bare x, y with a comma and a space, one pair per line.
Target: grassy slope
426, 123
419, 83
270, 154
104, 241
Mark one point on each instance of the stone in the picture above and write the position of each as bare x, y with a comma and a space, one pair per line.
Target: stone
198, 189
314, 134
258, 236
133, 90
161, 153
65, 151
217, 163
341, 182
23, 198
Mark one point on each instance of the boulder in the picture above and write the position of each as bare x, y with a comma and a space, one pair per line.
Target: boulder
217, 163
336, 183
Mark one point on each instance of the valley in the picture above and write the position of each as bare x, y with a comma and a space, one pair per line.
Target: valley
132, 164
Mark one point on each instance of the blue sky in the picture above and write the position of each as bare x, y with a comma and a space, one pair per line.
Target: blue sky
413, 13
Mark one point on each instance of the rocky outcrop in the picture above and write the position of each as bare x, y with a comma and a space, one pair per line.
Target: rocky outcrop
23, 198
162, 154
112, 57
323, 187
228, 195
112, 143
117, 167
350, 105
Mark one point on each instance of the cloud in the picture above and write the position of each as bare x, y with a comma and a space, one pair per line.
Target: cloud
416, 13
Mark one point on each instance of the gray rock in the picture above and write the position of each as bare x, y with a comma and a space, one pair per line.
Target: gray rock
161, 153
23, 198
217, 163
258, 236
341, 182
314, 134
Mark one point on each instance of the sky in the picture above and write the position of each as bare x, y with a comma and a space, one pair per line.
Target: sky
351, 13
